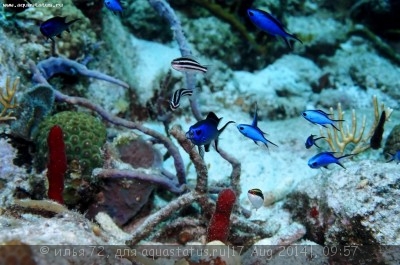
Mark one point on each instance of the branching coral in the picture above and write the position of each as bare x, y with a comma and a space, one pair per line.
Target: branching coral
59, 65
339, 140
7, 99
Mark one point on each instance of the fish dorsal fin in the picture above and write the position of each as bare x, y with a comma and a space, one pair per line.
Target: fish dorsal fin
323, 112
254, 124
212, 116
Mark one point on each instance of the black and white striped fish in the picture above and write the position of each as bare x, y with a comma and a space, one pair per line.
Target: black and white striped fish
176, 97
188, 65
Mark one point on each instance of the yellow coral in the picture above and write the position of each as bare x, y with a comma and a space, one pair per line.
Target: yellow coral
339, 140
7, 99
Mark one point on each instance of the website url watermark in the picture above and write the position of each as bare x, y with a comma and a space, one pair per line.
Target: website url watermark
27, 5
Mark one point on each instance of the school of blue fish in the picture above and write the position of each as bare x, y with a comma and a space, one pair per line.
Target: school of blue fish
205, 132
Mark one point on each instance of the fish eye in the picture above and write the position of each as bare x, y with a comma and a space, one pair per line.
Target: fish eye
314, 164
241, 128
304, 114
198, 132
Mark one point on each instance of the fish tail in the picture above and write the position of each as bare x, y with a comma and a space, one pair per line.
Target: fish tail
289, 37
270, 143
333, 125
391, 159
72, 21
219, 132
223, 128
347, 155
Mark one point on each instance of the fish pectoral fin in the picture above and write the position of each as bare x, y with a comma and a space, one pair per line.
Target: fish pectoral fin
207, 146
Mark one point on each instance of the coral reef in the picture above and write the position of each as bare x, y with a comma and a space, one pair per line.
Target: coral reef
122, 198
7, 100
84, 137
146, 184
34, 106
339, 140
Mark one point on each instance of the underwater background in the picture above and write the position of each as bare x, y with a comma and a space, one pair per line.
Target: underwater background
266, 130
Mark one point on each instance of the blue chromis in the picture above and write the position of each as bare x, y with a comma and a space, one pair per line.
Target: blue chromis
113, 5
55, 26
206, 131
176, 97
253, 132
395, 156
268, 23
256, 198
323, 159
311, 141
319, 117
188, 65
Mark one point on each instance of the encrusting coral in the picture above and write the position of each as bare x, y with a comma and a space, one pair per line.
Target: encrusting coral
339, 140
7, 100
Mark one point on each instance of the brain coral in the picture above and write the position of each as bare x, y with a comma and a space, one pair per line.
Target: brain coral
84, 136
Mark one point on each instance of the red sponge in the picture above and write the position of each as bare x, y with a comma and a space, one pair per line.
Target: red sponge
57, 164
218, 228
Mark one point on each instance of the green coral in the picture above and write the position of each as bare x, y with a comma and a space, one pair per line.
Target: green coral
84, 136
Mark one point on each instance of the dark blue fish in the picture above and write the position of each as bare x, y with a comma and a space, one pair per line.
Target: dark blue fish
268, 23
319, 117
55, 26
253, 132
324, 159
395, 156
206, 131
114, 5
311, 141
176, 97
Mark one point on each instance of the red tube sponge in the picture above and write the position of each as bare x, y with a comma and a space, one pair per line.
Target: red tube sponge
218, 228
57, 164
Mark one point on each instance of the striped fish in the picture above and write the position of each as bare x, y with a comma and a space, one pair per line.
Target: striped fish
176, 97
188, 65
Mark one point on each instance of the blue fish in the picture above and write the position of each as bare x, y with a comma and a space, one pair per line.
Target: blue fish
206, 131
268, 23
311, 141
114, 5
395, 156
253, 132
324, 159
55, 26
319, 117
